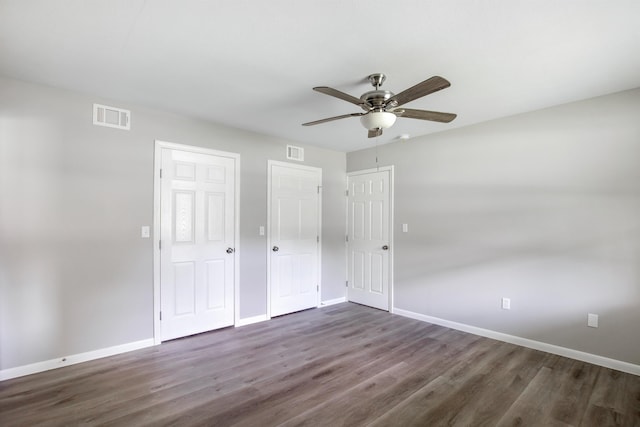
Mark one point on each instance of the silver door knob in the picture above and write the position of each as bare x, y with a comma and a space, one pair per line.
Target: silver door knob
230, 250
275, 249
385, 248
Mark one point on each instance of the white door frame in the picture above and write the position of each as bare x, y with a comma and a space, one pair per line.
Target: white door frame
159, 145
294, 166
391, 215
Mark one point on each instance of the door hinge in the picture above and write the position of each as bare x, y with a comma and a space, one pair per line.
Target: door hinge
159, 245
160, 173
346, 283
318, 288
160, 315
346, 238
347, 193
318, 239
319, 187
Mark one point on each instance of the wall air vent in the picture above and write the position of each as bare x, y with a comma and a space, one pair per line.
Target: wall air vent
111, 117
295, 153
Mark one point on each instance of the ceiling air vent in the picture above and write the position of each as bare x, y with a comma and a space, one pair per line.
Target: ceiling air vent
111, 117
295, 153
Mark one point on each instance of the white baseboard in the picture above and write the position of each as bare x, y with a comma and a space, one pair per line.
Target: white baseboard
251, 320
333, 301
263, 317
525, 342
60, 362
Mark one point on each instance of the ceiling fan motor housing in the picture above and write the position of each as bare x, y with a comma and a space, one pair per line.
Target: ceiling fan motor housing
376, 99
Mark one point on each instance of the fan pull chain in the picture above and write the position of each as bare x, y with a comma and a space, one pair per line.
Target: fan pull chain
377, 165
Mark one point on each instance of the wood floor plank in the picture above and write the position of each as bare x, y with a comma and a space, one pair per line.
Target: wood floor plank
613, 394
572, 401
558, 395
303, 386
305, 361
353, 405
175, 376
340, 365
457, 389
340, 389
498, 381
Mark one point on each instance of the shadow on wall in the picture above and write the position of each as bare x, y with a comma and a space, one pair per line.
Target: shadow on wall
76, 275
49, 289
557, 255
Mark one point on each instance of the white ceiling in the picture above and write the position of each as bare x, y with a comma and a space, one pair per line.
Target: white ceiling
251, 64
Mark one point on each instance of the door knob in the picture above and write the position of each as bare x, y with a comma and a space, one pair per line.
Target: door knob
230, 250
385, 247
275, 249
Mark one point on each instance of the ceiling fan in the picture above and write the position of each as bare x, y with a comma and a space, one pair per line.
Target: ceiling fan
381, 106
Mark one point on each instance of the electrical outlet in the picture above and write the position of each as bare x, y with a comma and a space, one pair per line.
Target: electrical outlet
506, 303
592, 320
405, 228
145, 232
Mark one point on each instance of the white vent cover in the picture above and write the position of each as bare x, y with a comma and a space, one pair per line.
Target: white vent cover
111, 117
295, 153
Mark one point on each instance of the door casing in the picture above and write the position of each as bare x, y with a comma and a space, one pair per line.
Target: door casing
391, 229
269, 235
159, 145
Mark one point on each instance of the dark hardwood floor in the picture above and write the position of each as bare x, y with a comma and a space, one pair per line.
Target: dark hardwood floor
340, 365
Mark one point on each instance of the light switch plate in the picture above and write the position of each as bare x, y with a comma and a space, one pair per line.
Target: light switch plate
592, 320
145, 232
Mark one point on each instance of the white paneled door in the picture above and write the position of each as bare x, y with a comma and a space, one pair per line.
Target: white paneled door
197, 242
369, 242
294, 237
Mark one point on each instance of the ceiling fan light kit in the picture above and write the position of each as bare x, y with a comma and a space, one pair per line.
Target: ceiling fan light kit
381, 106
378, 120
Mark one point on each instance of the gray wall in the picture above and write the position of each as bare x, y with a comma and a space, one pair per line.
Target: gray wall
543, 208
75, 276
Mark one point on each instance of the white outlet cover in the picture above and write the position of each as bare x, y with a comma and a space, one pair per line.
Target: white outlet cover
506, 303
145, 231
592, 320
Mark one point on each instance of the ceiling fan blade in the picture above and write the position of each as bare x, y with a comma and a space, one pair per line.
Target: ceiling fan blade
434, 116
374, 132
330, 119
428, 86
337, 94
